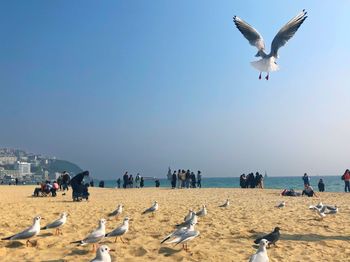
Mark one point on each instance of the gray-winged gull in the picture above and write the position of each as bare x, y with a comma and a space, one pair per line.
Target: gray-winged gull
267, 63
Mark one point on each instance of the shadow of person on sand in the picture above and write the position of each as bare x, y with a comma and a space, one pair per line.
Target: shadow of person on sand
312, 237
167, 251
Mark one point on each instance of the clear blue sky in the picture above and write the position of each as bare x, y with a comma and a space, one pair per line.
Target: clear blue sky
140, 85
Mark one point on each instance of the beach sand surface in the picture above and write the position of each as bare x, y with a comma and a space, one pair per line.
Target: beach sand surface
226, 234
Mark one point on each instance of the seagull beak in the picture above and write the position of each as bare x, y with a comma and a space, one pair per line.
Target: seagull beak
42, 218
112, 250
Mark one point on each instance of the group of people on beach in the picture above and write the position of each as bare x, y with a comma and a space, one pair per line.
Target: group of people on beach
130, 182
186, 179
251, 181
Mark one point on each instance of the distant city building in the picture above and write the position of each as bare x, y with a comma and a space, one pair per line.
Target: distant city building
11, 173
46, 175
8, 160
23, 168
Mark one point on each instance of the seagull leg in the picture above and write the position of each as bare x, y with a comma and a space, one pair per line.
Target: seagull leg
267, 76
122, 240
27, 242
260, 76
115, 240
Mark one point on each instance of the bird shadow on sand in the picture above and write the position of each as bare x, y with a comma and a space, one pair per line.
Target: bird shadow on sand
167, 251
45, 235
79, 252
312, 237
15, 244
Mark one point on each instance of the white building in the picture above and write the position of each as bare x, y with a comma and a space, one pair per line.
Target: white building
23, 168
7, 160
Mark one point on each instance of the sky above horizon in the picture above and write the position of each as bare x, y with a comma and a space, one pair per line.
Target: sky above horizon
143, 85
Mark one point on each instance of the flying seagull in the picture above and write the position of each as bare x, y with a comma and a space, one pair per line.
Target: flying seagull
267, 63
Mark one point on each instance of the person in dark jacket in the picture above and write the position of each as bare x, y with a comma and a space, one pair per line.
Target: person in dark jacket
321, 186
125, 180
142, 182
173, 180
242, 181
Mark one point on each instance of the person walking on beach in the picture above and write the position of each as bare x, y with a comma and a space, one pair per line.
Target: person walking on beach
142, 182
320, 185
118, 182
179, 178
65, 180
131, 181
242, 181
187, 178
137, 180
346, 178
199, 179
193, 180
183, 178
125, 179
306, 180
173, 180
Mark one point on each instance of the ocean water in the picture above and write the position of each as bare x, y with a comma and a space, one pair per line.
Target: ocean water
332, 183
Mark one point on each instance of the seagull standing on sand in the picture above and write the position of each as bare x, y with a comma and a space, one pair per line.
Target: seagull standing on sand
281, 205
152, 209
120, 231
203, 212
57, 224
267, 63
95, 236
102, 254
177, 232
182, 236
28, 233
226, 204
192, 220
261, 254
189, 215
116, 213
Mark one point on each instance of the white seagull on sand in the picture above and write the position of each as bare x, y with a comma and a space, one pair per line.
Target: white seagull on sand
102, 254
28, 233
120, 231
57, 224
95, 236
116, 213
267, 63
182, 236
152, 209
226, 204
281, 204
203, 212
261, 254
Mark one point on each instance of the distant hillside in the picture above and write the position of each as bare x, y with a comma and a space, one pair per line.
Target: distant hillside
56, 165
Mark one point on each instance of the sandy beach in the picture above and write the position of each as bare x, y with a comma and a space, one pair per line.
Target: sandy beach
226, 234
